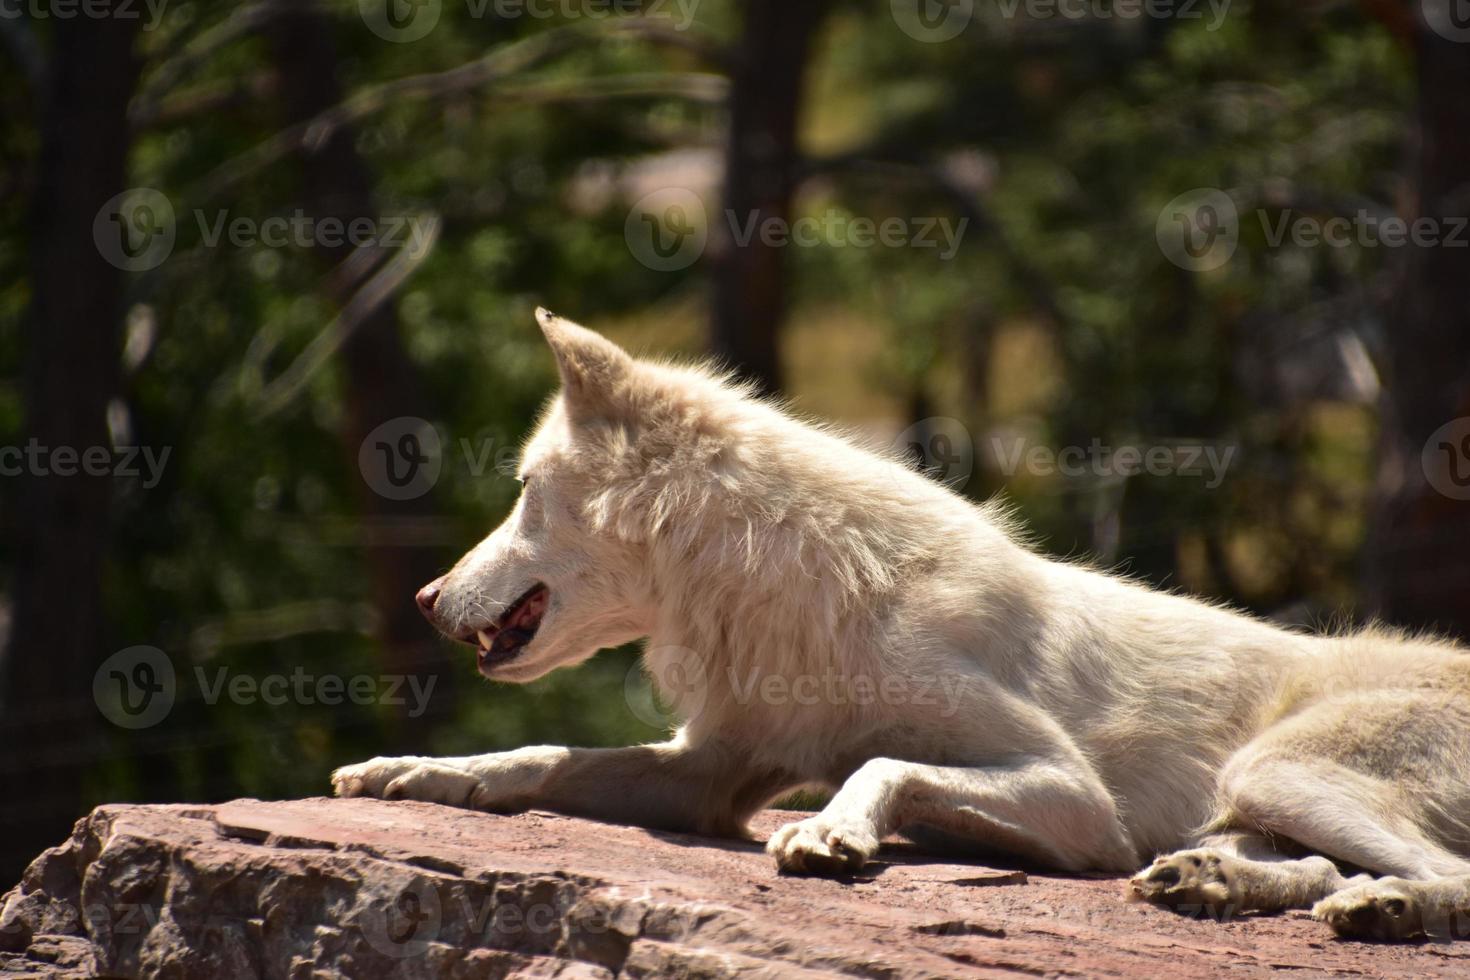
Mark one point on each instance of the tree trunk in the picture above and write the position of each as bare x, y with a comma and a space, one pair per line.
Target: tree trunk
60, 523
761, 161
1418, 560
381, 381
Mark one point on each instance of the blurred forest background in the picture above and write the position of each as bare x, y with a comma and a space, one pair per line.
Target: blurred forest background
520, 137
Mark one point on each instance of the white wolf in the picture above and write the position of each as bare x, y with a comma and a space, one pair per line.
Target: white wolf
816, 592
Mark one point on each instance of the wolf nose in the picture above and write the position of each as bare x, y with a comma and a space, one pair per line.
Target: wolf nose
427, 596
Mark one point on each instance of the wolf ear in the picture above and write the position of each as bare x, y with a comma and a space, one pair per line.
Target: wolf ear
592, 367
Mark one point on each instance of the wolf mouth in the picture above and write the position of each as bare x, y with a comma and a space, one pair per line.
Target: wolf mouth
503, 640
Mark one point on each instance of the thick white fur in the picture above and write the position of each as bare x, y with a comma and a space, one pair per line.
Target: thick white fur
825, 616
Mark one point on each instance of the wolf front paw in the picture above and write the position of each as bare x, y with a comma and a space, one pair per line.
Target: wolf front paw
407, 778
821, 846
1386, 910
1188, 881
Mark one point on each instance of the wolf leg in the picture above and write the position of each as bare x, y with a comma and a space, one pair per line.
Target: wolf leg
1237, 872
1048, 811
1398, 909
1373, 781
671, 786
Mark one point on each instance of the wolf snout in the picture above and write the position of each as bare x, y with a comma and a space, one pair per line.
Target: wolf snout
428, 596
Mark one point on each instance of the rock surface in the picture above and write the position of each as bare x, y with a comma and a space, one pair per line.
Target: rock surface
364, 888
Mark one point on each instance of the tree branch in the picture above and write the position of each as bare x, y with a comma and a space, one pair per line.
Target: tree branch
195, 53
498, 64
281, 391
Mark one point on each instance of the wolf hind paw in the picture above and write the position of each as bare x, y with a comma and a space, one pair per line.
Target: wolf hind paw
1197, 881
1385, 910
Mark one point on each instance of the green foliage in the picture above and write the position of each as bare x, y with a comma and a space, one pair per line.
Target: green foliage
249, 555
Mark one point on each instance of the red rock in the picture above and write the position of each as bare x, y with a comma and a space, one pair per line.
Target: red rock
364, 888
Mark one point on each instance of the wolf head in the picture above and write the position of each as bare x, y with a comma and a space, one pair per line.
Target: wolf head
569, 570
664, 501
